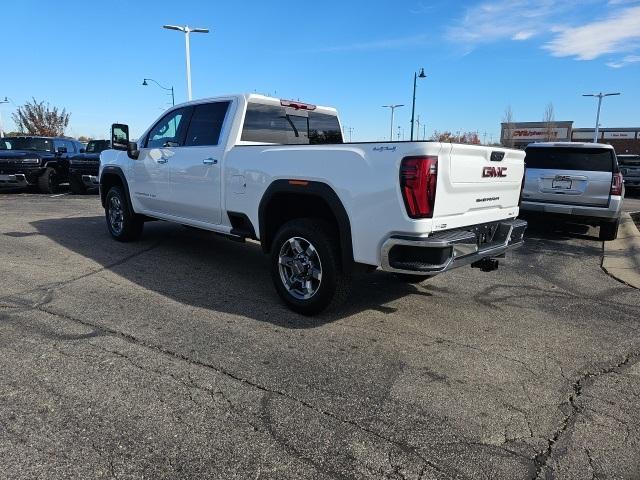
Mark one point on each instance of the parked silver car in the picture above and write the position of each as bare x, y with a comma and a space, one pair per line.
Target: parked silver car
581, 181
630, 169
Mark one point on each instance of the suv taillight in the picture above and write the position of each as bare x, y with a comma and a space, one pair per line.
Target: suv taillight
616, 184
418, 179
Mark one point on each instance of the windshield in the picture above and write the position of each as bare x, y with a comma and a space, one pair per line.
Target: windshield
26, 143
568, 158
97, 146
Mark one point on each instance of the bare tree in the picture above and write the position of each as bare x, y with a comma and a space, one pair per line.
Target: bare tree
507, 127
549, 121
461, 137
38, 118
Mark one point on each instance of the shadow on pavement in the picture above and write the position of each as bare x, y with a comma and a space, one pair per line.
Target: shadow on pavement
204, 270
554, 228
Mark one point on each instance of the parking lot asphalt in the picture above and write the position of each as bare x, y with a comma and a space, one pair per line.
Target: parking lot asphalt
173, 358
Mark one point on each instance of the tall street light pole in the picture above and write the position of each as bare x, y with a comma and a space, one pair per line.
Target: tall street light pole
393, 109
173, 99
413, 108
599, 96
187, 30
6, 100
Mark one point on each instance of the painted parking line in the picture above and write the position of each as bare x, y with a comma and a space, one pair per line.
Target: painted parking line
59, 195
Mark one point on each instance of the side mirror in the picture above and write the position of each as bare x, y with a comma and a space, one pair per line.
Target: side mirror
133, 151
82, 150
120, 137
61, 150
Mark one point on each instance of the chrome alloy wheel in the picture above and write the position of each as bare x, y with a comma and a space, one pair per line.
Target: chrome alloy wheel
300, 268
116, 215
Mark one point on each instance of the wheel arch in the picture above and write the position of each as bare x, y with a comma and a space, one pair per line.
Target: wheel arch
321, 200
110, 176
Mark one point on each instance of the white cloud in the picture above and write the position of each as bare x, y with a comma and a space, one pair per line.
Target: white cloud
506, 19
523, 35
629, 59
616, 33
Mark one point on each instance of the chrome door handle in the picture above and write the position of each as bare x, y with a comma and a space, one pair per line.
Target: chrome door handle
162, 160
210, 161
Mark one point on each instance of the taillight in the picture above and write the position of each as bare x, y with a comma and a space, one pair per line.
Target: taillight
418, 179
616, 184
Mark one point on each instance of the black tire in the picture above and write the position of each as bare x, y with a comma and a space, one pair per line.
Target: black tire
48, 182
609, 230
125, 225
334, 285
408, 278
77, 187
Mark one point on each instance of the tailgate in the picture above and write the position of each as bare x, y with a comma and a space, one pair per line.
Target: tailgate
567, 187
568, 174
476, 179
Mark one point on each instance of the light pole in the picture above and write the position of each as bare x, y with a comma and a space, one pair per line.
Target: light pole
173, 100
393, 109
187, 30
413, 108
6, 100
599, 96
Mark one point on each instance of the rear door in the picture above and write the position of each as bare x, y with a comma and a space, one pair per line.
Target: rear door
475, 178
569, 175
195, 169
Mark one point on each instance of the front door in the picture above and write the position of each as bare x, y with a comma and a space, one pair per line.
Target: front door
150, 176
195, 169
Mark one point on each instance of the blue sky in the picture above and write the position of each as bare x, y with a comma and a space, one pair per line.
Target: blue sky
480, 56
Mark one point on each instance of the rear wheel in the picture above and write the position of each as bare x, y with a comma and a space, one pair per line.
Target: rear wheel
305, 266
77, 187
609, 230
123, 224
48, 181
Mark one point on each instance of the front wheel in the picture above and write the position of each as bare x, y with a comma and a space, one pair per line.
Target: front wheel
609, 230
305, 266
123, 224
48, 181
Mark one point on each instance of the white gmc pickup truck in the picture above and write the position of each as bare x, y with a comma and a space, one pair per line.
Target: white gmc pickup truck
277, 171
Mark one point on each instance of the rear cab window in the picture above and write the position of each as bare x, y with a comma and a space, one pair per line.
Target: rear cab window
591, 159
277, 124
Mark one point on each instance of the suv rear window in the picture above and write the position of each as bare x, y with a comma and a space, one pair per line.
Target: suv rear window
567, 158
276, 124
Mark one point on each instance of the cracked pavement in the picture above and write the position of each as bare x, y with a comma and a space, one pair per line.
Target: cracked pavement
172, 358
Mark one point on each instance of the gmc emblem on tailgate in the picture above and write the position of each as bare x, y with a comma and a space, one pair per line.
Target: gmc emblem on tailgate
494, 172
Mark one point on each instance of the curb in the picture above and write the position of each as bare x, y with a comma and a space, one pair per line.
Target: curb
621, 257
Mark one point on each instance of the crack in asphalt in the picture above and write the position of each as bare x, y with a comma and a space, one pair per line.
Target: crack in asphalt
408, 449
542, 458
50, 287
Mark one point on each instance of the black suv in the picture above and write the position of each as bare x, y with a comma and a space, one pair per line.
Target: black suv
36, 161
83, 168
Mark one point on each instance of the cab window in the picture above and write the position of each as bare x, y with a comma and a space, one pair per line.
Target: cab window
168, 131
206, 124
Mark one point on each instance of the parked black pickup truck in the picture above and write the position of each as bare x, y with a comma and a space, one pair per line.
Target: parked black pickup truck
83, 168
41, 162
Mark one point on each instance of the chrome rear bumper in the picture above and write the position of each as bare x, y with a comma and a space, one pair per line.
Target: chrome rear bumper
450, 249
